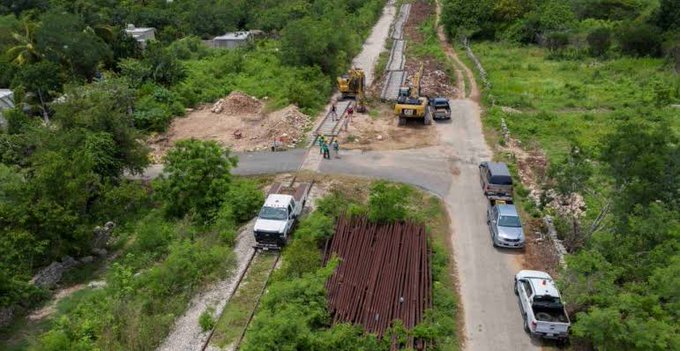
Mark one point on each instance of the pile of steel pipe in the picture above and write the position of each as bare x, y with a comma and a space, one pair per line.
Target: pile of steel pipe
384, 275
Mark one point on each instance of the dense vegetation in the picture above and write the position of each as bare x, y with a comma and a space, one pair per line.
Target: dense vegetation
87, 94
293, 313
602, 113
46, 44
176, 244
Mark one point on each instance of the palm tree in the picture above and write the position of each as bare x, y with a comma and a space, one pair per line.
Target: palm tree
26, 49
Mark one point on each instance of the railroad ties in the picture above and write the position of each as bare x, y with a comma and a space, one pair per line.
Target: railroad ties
384, 275
395, 75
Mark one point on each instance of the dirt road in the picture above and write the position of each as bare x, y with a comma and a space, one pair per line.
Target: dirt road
375, 43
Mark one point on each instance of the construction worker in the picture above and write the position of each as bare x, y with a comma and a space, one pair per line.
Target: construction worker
322, 140
350, 111
326, 151
334, 113
336, 148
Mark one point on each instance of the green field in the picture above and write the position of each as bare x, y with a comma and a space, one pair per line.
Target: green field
558, 102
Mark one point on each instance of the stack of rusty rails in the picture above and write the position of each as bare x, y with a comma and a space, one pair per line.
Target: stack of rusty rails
384, 275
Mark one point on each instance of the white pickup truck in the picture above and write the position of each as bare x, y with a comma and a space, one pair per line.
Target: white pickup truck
278, 215
542, 309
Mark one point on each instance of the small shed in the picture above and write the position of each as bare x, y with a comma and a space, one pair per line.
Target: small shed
232, 40
6, 103
141, 34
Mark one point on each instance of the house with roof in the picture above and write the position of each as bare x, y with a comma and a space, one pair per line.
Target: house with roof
232, 40
141, 34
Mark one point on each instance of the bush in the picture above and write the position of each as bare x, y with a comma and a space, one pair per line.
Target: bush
206, 320
245, 199
316, 226
557, 41
388, 203
196, 179
153, 235
599, 41
640, 40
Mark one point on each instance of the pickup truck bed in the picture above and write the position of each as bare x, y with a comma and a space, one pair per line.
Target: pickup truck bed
298, 192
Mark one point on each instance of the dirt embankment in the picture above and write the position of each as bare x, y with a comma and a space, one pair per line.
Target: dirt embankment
435, 80
237, 121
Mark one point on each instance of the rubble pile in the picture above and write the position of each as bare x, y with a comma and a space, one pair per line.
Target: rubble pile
237, 121
237, 103
287, 125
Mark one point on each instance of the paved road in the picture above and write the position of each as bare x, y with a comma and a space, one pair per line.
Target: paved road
250, 163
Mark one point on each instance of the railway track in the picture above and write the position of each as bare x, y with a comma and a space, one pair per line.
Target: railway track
253, 256
259, 297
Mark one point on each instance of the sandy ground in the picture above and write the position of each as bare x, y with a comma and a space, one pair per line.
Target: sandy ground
382, 132
239, 122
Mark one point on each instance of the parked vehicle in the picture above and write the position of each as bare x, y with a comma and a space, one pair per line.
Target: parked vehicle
279, 214
505, 226
440, 108
541, 306
496, 181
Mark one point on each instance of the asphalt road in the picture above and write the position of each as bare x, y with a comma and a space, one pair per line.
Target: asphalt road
450, 170
250, 163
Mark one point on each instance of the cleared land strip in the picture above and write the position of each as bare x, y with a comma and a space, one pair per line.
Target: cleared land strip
395, 67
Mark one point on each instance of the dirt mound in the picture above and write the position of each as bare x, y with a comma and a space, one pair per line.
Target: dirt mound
237, 103
238, 122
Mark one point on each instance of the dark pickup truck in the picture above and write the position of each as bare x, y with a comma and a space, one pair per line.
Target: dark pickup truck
496, 181
440, 108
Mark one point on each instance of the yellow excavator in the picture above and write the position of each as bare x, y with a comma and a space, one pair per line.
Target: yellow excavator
410, 105
351, 85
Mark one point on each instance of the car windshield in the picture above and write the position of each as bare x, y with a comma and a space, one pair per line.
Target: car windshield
509, 221
273, 213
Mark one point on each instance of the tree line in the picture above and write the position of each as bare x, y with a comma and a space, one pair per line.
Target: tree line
588, 27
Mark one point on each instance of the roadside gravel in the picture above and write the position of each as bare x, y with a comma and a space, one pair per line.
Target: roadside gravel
187, 335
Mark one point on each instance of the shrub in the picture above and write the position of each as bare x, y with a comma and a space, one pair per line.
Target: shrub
225, 224
196, 178
316, 226
640, 40
387, 203
599, 41
245, 199
557, 41
154, 235
206, 320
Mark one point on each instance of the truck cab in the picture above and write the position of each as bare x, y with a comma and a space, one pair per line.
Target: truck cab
279, 214
275, 220
541, 306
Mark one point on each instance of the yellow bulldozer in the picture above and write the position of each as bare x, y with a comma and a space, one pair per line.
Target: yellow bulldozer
410, 105
351, 85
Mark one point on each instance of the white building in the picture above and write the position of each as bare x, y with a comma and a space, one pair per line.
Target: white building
6, 102
142, 34
232, 40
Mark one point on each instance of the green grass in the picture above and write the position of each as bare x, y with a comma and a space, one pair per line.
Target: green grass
565, 101
258, 72
236, 313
